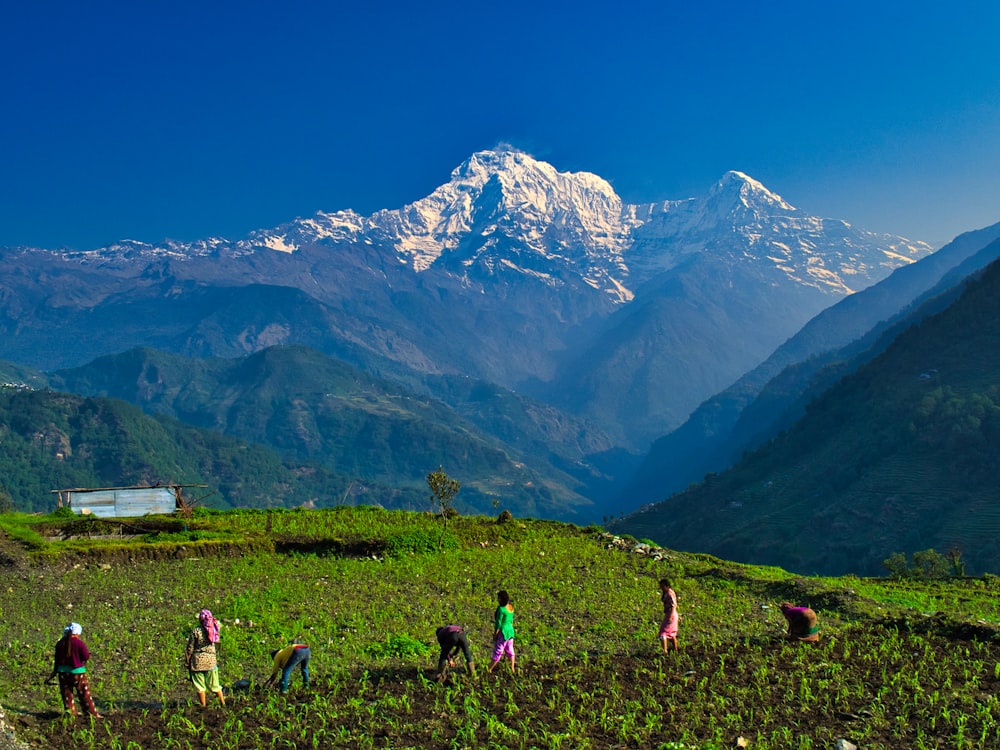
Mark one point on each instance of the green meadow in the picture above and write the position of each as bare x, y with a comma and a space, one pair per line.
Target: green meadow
911, 663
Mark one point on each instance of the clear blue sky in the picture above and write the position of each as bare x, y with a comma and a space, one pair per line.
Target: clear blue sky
144, 119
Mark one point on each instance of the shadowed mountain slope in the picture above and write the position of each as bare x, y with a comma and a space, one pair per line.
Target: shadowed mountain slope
900, 456
771, 396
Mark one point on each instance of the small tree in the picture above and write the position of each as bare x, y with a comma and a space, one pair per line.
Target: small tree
957, 563
443, 490
930, 564
926, 564
897, 565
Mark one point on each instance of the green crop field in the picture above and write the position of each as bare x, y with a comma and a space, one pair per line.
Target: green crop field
901, 664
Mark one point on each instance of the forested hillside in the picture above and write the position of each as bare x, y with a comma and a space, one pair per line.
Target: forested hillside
901, 456
314, 408
52, 440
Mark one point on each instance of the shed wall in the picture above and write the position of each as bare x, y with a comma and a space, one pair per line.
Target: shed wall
123, 502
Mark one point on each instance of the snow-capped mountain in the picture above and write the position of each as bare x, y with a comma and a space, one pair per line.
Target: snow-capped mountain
512, 271
740, 217
566, 223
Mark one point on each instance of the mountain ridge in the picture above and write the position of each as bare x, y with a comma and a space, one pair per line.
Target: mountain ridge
897, 456
720, 429
512, 272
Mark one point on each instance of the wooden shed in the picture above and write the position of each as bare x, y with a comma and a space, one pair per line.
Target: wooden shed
121, 502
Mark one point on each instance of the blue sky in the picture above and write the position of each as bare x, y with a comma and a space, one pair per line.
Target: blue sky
148, 120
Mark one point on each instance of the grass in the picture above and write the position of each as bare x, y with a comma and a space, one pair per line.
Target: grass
901, 664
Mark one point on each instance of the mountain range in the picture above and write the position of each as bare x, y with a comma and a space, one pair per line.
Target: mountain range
512, 273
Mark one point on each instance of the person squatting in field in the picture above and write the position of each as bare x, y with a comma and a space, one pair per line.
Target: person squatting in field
802, 624
503, 633
70, 666
285, 660
452, 638
668, 626
200, 657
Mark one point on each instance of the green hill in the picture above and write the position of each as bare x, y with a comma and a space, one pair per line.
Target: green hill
901, 456
507, 451
900, 663
51, 440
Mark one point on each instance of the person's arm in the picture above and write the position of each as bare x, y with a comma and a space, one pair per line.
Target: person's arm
189, 649
55, 664
279, 662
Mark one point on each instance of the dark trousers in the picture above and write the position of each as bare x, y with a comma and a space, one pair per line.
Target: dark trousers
451, 641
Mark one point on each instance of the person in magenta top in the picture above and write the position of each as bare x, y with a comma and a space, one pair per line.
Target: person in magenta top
70, 665
452, 639
802, 623
668, 626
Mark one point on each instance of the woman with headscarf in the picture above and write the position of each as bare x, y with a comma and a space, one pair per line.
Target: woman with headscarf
200, 658
70, 665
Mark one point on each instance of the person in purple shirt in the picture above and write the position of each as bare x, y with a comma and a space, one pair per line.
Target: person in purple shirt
452, 639
802, 624
70, 665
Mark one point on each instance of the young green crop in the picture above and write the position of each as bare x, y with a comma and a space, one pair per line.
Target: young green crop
883, 675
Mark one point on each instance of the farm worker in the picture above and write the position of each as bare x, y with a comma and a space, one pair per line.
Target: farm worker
801, 623
200, 657
285, 660
70, 665
668, 626
503, 633
452, 638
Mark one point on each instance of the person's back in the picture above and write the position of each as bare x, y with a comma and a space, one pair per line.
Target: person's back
802, 623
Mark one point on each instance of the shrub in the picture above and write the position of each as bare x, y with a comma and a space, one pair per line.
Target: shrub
398, 646
420, 542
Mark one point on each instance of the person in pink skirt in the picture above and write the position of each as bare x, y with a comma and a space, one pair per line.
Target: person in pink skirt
668, 627
503, 632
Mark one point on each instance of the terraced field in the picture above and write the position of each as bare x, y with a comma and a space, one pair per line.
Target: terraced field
900, 664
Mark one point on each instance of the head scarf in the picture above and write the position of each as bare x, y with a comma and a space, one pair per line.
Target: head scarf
210, 624
73, 629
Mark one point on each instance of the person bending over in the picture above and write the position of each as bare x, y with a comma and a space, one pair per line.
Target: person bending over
285, 660
452, 639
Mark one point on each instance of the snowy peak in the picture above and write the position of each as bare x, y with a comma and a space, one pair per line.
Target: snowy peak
503, 199
504, 215
738, 189
527, 181
743, 221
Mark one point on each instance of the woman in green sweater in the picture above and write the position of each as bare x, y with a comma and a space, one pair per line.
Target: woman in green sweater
503, 633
